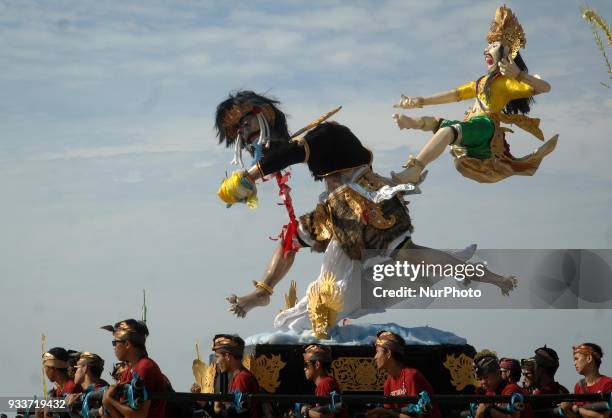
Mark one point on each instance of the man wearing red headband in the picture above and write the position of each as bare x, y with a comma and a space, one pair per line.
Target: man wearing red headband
510, 370
587, 360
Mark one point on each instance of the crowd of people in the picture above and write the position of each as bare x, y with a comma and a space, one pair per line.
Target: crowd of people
77, 378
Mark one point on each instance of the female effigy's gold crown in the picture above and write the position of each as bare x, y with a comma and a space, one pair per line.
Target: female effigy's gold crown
505, 28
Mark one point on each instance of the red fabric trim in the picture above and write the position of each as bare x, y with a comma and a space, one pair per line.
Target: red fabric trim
288, 233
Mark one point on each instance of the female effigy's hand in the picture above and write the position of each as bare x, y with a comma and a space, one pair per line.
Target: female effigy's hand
410, 102
509, 68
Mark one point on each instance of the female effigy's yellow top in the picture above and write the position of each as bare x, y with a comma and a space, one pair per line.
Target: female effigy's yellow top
503, 90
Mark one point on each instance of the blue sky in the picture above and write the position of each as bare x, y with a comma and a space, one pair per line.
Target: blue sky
109, 165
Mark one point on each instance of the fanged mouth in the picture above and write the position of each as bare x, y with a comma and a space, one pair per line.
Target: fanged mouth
253, 136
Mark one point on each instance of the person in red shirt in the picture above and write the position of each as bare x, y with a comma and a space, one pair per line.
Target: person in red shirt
528, 366
55, 365
587, 360
317, 369
510, 369
401, 380
229, 350
546, 363
129, 343
488, 372
88, 369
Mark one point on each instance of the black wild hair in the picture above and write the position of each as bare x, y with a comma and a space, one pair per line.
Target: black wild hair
278, 130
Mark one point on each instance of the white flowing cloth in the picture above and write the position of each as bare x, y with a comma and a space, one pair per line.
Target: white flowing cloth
346, 271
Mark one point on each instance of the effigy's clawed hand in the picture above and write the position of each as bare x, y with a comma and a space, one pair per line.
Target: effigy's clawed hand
508, 285
241, 305
235, 307
407, 102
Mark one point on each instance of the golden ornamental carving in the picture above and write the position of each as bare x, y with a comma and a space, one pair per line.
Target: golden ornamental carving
322, 224
266, 369
290, 296
204, 375
461, 369
368, 212
506, 29
355, 374
325, 301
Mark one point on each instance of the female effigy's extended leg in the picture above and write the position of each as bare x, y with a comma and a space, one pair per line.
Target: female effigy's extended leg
416, 254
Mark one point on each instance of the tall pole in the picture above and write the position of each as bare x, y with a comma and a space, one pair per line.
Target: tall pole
144, 306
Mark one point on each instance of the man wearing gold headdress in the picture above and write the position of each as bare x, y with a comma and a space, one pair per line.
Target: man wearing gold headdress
129, 341
503, 95
317, 369
401, 380
88, 372
229, 350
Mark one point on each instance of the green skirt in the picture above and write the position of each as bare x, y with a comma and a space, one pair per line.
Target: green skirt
476, 134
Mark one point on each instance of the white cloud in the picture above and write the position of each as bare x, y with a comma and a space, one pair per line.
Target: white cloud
204, 164
133, 176
105, 152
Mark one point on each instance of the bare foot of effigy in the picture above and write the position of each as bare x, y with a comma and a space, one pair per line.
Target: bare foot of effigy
240, 305
406, 122
409, 175
547, 147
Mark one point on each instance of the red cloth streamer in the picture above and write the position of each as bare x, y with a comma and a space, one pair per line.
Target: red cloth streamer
289, 232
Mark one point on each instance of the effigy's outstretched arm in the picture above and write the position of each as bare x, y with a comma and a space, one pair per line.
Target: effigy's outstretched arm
279, 265
412, 102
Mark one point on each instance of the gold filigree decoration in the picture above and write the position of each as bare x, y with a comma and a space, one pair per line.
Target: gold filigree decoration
266, 370
291, 296
461, 369
356, 374
322, 224
238, 111
368, 212
325, 301
204, 374
506, 29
